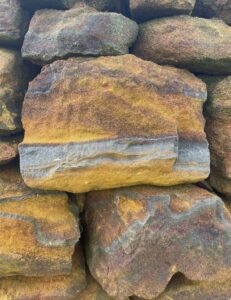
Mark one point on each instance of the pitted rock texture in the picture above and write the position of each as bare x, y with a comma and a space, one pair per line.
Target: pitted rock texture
13, 83
9, 148
108, 5
113, 121
94, 291
214, 9
65, 287
77, 32
38, 231
181, 288
218, 129
138, 238
58, 4
199, 45
144, 10
13, 22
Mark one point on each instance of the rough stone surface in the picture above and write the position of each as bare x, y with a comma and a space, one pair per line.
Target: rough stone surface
38, 231
94, 291
13, 22
9, 148
108, 5
138, 238
113, 121
38, 4
197, 44
80, 31
218, 129
13, 84
144, 10
65, 287
214, 9
183, 289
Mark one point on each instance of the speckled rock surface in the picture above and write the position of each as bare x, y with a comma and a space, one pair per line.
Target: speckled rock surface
9, 148
113, 121
80, 31
144, 10
214, 9
138, 238
218, 129
181, 288
58, 4
13, 22
199, 45
13, 84
38, 231
65, 287
108, 5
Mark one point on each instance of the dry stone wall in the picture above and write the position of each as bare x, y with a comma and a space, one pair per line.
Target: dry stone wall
115, 150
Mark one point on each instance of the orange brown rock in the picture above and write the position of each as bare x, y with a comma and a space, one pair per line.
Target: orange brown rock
65, 287
197, 44
38, 231
138, 238
9, 148
113, 121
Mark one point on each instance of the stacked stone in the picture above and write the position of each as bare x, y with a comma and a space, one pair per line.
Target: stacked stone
110, 201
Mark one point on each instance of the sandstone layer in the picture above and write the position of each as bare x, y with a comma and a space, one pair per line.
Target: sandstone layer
199, 45
138, 238
214, 9
218, 129
13, 22
38, 231
80, 31
65, 287
144, 10
13, 84
9, 148
110, 122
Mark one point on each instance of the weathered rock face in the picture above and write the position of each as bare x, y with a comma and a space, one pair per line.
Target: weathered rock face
108, 5
65, 287
138, 238
38, 4
9, 148
110, 122
38, 231
13, 84
214, 8
218, 129
93, 291
197, 44
13, 22
143, 10
79, 32
182, 289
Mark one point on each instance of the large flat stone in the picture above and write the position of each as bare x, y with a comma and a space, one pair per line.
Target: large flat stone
13, 22
81, 31
144, 10
38, 230
63, 287
138, 238
214, 9
197, 44
113, 121
218, 129
13, 84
